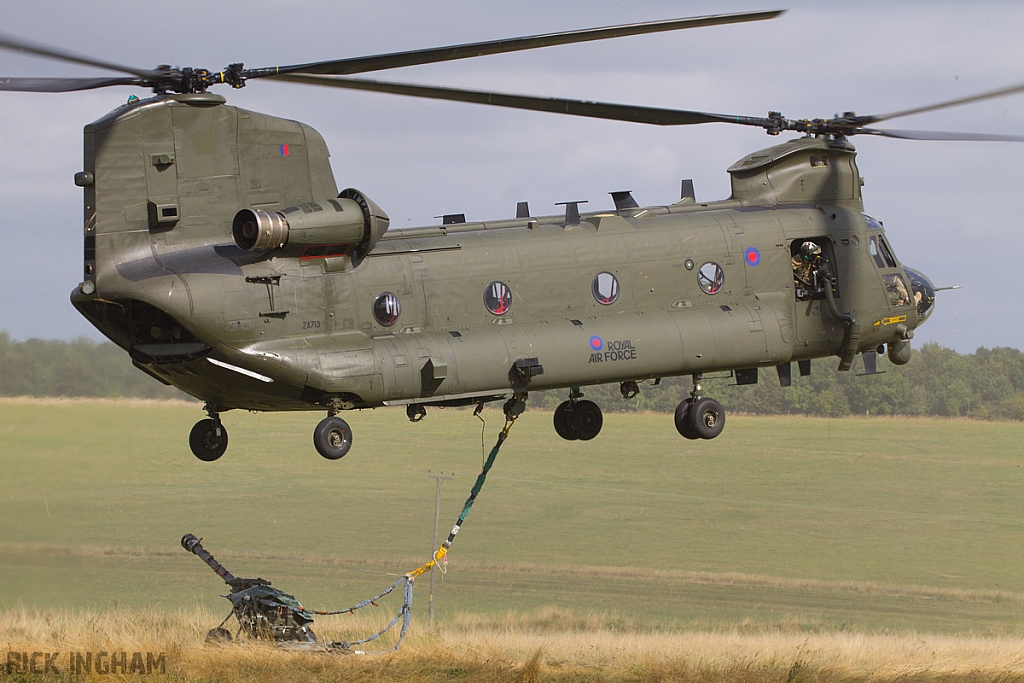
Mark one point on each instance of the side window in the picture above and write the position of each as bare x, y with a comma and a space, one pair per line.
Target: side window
896, 289
711, 277
498, 298
605, 288
875, 253
386, 309
880, 252
886, 252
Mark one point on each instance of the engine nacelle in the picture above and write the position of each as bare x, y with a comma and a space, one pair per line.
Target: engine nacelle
347, 226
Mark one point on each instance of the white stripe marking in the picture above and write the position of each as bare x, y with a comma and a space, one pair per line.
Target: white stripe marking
241, 371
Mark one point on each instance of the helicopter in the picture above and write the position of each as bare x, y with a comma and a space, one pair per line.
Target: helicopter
220, 255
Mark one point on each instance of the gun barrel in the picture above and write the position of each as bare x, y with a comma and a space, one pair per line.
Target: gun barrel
192, 544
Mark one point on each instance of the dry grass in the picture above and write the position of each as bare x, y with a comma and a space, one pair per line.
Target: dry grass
526, 648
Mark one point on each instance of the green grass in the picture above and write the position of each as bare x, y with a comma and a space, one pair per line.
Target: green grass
863, 524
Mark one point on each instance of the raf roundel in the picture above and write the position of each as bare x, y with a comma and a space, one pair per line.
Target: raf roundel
752, 256
596, 344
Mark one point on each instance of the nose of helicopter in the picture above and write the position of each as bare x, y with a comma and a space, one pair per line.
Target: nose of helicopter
924, 293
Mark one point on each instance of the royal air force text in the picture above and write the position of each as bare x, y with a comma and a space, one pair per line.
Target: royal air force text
614, 351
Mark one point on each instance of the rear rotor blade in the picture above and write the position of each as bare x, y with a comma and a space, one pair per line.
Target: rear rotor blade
19, 45
555, 105
62, 84
396, 60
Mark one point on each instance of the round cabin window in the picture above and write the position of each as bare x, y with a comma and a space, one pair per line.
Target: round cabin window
498, 298
605, 288
711, 277
386, 309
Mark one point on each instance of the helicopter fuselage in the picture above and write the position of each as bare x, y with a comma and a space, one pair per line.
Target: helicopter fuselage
346, 315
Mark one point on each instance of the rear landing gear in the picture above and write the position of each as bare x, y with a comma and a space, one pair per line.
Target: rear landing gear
699, 417
332, 437
208, 438
576, 419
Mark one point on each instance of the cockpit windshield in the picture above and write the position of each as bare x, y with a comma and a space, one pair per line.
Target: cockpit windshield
924, 293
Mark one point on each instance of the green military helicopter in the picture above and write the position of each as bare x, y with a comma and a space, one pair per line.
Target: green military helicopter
219, 253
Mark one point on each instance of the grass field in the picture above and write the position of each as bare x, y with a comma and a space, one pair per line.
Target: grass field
791, 526
517, 653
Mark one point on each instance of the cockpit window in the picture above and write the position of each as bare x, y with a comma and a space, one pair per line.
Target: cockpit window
886, 252
875, 253
880, 252
896, 290
924, 293
873, 223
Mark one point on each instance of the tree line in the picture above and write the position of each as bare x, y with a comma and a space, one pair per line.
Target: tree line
79, 368
987, 384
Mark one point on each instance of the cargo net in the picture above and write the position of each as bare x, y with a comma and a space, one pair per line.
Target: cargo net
268, 613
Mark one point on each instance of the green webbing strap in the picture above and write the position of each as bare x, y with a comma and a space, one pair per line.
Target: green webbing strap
481, 478
477, 486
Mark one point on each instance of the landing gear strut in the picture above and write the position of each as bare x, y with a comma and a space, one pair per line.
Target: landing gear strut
576, 419
332, 437
208, 438
699, 417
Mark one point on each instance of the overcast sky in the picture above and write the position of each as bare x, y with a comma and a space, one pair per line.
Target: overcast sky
950, 208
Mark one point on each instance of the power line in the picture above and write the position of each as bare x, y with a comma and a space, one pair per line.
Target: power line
439, 477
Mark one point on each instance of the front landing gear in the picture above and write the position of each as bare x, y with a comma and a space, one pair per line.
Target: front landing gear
576, 419
699, 417
208, 438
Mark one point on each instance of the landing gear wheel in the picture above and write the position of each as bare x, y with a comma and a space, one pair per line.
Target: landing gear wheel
683, 424
218, 636
332, 437
208, 440
566, 425
707, 417
588, 420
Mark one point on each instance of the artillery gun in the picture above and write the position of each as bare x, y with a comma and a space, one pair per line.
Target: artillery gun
263, 612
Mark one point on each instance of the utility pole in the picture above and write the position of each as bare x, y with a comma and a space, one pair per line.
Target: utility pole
439, 477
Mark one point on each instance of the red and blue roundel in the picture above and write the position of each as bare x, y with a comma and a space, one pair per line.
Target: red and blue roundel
752, 256
596, 344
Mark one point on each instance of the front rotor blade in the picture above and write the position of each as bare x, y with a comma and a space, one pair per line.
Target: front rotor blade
941, 135
555, 105
396, 60
19, 45
1002, 92
62, 84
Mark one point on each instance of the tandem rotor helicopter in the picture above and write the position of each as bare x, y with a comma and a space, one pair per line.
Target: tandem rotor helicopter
219, 253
